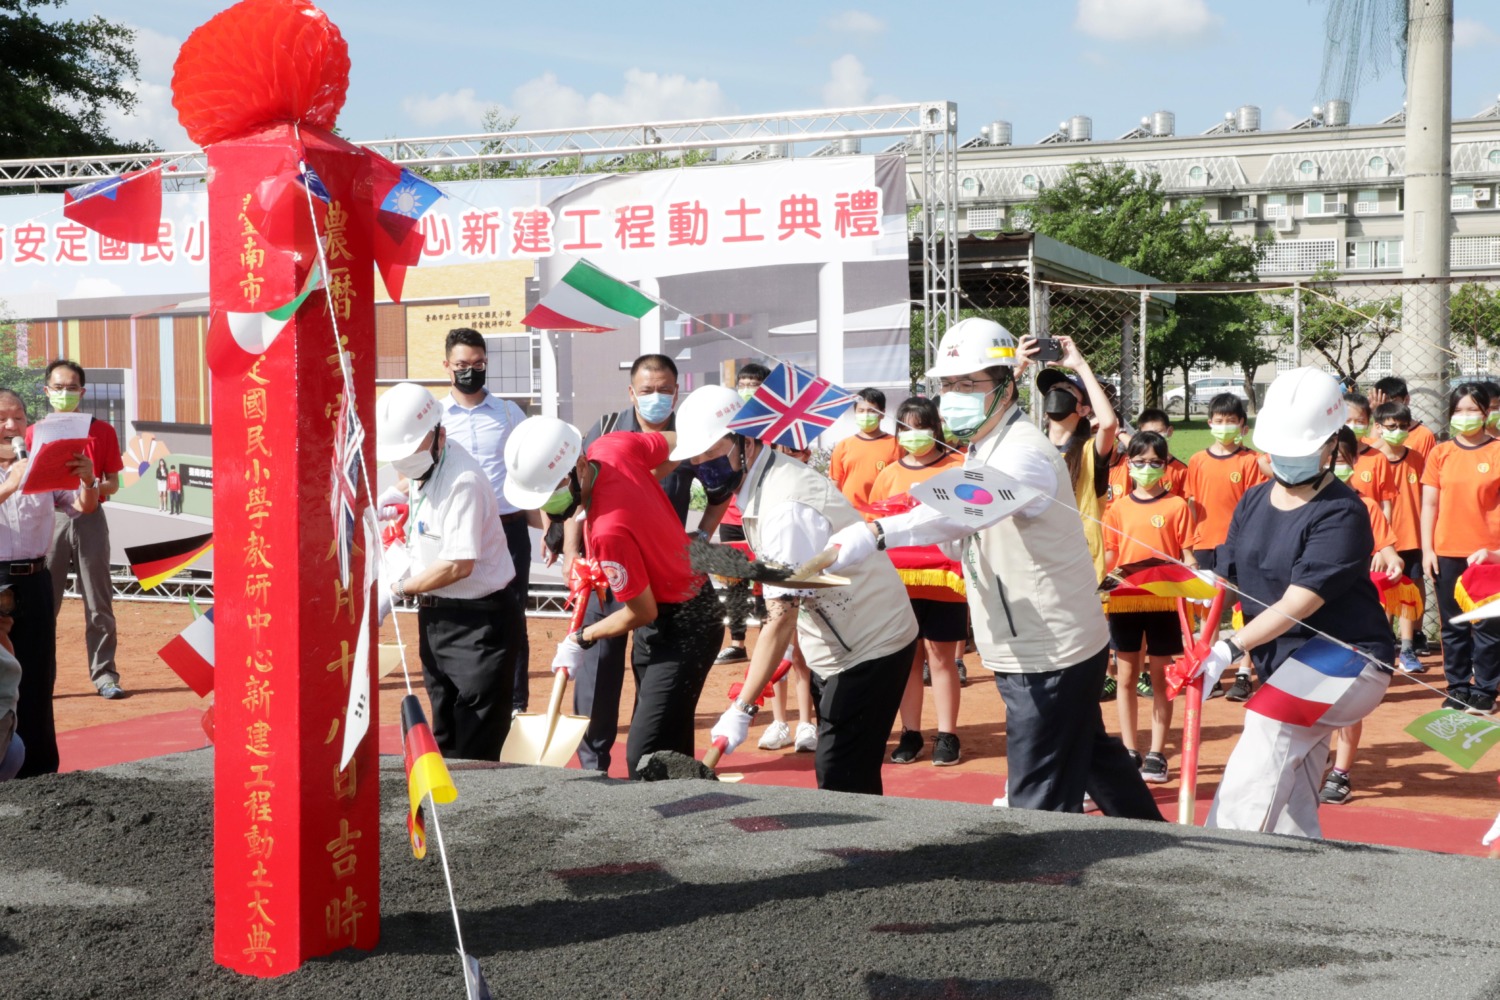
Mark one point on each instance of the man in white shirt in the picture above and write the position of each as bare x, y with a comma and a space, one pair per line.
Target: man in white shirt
459, 574
481, 422
26, 526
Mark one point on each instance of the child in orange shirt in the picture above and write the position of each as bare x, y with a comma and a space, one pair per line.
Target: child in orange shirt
1372, 476
1147, 523
1392, 424
1216, 479
858, 459
1461, 515
1392, 389
1336, 787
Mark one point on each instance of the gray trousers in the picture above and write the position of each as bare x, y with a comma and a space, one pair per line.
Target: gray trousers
81, 545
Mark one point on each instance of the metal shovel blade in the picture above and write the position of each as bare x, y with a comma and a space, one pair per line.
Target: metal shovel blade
546, 738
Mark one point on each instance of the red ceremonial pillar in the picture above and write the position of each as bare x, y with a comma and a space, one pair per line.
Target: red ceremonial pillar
296, 840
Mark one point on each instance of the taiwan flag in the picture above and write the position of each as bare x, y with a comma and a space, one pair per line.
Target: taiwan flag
400, 200
1306, 686
125, 208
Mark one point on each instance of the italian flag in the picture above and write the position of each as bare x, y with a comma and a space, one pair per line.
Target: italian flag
255, 331
587, 300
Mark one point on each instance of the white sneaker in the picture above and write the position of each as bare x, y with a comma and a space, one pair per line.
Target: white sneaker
776, 736
807, 737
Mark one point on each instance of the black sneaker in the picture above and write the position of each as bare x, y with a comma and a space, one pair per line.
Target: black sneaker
1240, 689
909, 748
732, 654
1135, 758
1143, 685
1110, 687
1336, 789
945, 751
963, 674
1214, 691
1154, 768
1480, 703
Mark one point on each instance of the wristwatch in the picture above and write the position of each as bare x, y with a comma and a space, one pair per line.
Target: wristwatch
1236, 652
750, 709
577, 636
879, 535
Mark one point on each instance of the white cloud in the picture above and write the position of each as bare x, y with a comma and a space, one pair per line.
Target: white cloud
848, 84
854, 22
1469, 33
547, 102
154, 117
1143, 20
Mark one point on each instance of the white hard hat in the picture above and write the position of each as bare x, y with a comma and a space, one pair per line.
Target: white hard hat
538, 454
703, 418
1303, 408
404, 415
972, 345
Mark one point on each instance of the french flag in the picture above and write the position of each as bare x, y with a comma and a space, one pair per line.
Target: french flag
1304, 687
191, 654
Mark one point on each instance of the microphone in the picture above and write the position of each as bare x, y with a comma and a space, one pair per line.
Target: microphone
19, 444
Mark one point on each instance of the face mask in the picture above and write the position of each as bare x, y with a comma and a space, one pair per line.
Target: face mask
1466, 423
1225, 433
1292, 472
917, 443
1146, 477
414, 466
719, 478
964, 412
1396, 438
64, 400
564, 500
1493, 421
1360, 430
867, 421
654, 408
747, 392
1059, 404
1344, 472
468, 381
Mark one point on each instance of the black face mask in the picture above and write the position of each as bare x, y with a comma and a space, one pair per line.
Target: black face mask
468, 381
1059, 404
720, 479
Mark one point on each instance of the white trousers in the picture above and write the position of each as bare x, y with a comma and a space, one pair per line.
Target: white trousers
1272, 780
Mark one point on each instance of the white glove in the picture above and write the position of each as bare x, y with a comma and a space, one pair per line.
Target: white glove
569, 656
390, 511
733, 726
1213, 666
1207, 576
855, 543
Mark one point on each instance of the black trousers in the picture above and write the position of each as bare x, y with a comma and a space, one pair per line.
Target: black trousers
518, 540
671, 659
597, 687
466, 667
1057, 749
1471, 652
34, 635
856, 709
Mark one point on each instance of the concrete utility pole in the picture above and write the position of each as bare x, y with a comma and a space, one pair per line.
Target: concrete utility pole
1427, 220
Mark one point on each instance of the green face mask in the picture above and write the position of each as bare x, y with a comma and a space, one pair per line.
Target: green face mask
1466, 423
917, 443
64, 400
1493, 421
1395, 438
1225, 433
560, 500
746, 392
1147, 476
1344, 472
867, 421
1360, 430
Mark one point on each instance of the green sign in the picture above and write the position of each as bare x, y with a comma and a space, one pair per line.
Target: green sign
1460, 737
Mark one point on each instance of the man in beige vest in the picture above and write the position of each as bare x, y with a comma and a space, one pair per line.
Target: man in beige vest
1031, 587
857, 640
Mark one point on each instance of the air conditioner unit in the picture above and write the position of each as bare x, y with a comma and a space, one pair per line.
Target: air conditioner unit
1277, 211
1481, 194
1284, 223
1242, 215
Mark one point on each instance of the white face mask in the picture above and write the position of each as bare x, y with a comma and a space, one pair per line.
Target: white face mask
414, 466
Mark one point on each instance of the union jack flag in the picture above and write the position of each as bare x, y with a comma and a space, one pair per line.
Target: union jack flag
347, 443
791, 407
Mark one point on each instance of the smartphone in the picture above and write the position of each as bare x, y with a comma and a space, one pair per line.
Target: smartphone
1048, 350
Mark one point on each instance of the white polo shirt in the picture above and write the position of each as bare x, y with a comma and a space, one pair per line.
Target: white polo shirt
454, 516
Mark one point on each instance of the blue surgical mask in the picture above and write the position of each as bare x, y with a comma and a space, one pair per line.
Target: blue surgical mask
963, 412
1300, 471
654, 408
719, 478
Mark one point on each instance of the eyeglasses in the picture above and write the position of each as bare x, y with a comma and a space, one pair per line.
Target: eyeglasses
478, 366
1394, 426
963, 384
1134, 464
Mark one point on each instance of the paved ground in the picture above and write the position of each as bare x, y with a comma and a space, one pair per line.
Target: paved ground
576, 886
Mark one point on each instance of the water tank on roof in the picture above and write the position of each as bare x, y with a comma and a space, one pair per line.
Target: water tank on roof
998, 133
775, 150
1247, 118
849, 147
1080, 128
1163, 123
1336, 113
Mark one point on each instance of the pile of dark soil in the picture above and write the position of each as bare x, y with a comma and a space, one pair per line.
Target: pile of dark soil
575, 886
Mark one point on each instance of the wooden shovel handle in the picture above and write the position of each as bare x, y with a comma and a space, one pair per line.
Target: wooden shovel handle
711, 759
816, 564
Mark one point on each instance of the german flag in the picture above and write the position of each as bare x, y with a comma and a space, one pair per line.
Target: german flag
1155, 585
426, 774
1479, 585
154, 562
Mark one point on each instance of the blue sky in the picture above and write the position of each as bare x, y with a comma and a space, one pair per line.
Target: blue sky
432, 68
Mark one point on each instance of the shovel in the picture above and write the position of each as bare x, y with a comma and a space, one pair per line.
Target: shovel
550, 739
731, 563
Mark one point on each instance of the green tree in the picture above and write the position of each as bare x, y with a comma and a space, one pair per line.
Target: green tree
1474, 314
57, 79
1110, 210
1345, 332
25, 381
